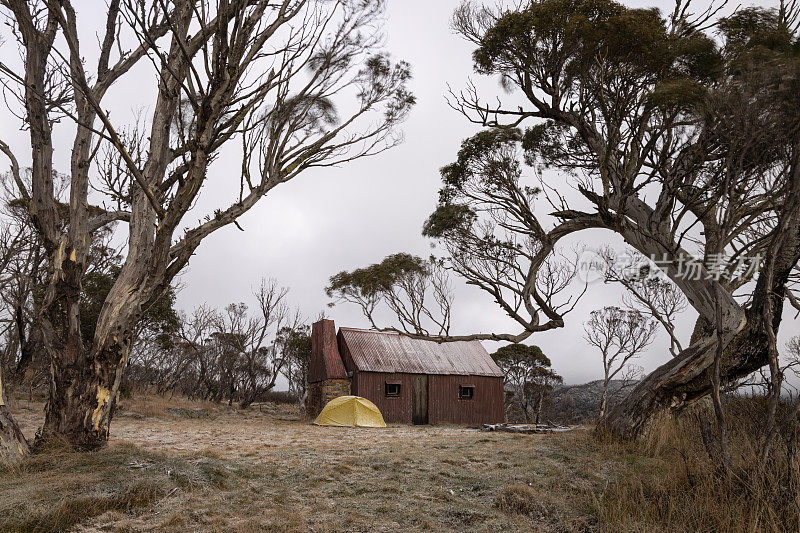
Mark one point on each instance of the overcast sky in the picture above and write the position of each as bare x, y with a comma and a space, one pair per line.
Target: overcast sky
343, 218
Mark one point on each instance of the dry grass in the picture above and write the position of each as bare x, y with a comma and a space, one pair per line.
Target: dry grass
154, 405
58, 488
266, 470
519, 499
668, 483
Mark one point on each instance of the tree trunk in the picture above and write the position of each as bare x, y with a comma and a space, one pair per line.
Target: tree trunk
539, 406
604, 400
85, 379
13, 445
687, 378
524, 403
82, 396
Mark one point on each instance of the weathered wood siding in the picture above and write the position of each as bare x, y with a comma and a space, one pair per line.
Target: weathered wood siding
485, 407
372, 386
444, 405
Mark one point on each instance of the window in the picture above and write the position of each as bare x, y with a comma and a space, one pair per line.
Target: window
392, 389
466, 392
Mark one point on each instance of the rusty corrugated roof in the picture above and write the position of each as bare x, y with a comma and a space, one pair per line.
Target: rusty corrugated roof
376, 351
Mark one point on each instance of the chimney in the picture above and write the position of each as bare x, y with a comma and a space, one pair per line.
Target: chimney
326, 362
327, 377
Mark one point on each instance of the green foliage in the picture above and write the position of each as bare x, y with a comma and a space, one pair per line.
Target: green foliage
677, 92
377, 278
96, 286
318, 111
622, 62
448, 219
696, 57
528, 362
404, 283
377, 75
488, 161
590, 44
757, 29
613, 64
527, 370
162, 319
544, 143
472, 157
520, 355
296, 343
573, 35
522, 37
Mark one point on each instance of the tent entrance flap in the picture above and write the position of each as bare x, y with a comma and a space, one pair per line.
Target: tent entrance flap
352, 411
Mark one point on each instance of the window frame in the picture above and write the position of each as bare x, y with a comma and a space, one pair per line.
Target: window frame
470, 387
397, 384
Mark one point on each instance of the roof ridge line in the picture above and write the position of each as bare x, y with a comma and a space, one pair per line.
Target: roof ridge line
370, 330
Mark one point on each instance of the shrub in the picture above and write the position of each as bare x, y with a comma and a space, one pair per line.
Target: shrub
281, 397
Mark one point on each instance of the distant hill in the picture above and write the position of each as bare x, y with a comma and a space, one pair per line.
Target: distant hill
579, 402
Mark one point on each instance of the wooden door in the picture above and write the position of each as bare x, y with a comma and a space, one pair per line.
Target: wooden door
419, 399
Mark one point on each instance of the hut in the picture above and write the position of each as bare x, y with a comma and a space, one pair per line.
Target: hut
412, 381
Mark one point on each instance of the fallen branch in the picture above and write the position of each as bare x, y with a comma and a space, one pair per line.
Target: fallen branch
529, 428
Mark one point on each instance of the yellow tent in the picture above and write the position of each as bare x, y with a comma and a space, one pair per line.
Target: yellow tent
351, 411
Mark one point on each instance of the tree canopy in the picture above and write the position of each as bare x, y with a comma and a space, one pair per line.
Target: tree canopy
405, 284
680, 132
529, 375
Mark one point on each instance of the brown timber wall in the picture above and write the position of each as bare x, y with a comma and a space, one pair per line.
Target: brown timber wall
372, 386
444, 406
486, 406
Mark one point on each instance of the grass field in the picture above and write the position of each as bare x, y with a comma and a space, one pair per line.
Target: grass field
177, 466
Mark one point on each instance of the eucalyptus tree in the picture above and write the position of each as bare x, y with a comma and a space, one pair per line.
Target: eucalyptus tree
13, 445
527, 370
653, 295
620, 335
296, 84
416, 291
677, 132
295, 345
255, 342
12, 246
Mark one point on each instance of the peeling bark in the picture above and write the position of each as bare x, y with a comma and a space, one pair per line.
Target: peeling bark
81, 401
228, 41
687, 377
